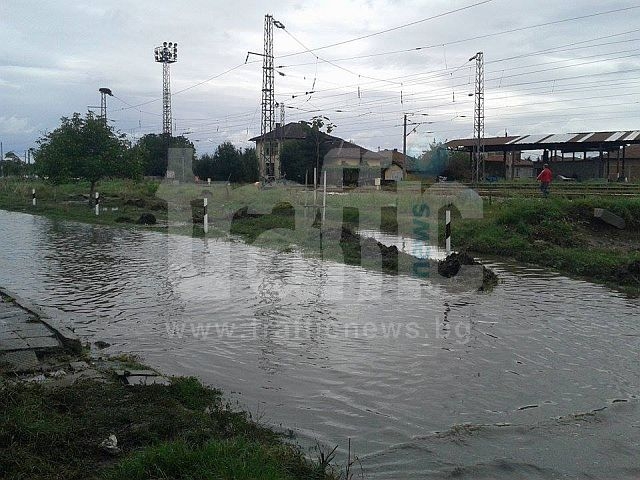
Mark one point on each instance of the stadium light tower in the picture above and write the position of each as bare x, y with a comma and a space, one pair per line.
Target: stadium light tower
166, 54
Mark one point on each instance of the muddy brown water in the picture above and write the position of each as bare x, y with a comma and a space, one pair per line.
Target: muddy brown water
537, 379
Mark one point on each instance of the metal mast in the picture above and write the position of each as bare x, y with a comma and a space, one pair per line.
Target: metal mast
478, 120
166, 54
267, 163
268, 100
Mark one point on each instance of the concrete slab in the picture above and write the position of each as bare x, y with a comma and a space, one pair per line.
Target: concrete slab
32, 330
19, 361
16, 315
8, 335
43, 342
13, 344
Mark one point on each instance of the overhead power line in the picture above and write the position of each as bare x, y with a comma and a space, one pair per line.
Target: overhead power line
381, 32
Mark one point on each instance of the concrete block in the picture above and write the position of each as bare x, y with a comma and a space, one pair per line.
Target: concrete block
608, 217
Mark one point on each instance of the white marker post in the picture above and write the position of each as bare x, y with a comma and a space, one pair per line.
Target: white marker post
97, 203
206, 217
33, 194
447, 231
324, 197
209, 182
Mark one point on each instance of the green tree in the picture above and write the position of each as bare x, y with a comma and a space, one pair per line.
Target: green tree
228, 163
298, 157
249, 166
12, 165
84, 148
154, 151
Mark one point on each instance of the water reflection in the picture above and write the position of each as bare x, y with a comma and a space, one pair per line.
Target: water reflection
335, 351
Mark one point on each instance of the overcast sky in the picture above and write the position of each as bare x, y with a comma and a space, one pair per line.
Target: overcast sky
582, 74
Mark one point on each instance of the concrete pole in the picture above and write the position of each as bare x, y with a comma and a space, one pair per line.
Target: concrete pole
315, 187
97, 204
206, 216
404, 149
324, 197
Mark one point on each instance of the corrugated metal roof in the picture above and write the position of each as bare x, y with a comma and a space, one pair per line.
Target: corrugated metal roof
516, 139
633, 135
616, 136
590, 141
532, 139
558, 138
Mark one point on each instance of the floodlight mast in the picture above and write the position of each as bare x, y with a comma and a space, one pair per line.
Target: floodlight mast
167, 53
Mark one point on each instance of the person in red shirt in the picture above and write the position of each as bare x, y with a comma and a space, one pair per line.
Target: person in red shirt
545, 179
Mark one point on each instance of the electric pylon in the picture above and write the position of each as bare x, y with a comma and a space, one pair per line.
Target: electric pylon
478, 172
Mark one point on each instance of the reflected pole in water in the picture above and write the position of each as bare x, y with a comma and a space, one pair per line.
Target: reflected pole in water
447, 230
206, 216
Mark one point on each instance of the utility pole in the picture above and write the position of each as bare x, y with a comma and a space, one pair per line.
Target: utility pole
404, 138
166, 54
268, 99
1, 160
478, 172
404, 149
282, 114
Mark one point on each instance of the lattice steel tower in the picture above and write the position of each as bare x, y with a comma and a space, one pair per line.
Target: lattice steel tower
478, 120
268, 164
167, 53
103, 102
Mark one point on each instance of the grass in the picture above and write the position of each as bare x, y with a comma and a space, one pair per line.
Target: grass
181, 431
561, 234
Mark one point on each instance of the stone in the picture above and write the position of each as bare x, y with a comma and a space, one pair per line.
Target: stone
609, 217
139, 373
19, 361
147, 380
147, 219
110, 445
78, 366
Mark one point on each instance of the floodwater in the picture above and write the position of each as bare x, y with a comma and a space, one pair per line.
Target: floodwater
537, 379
